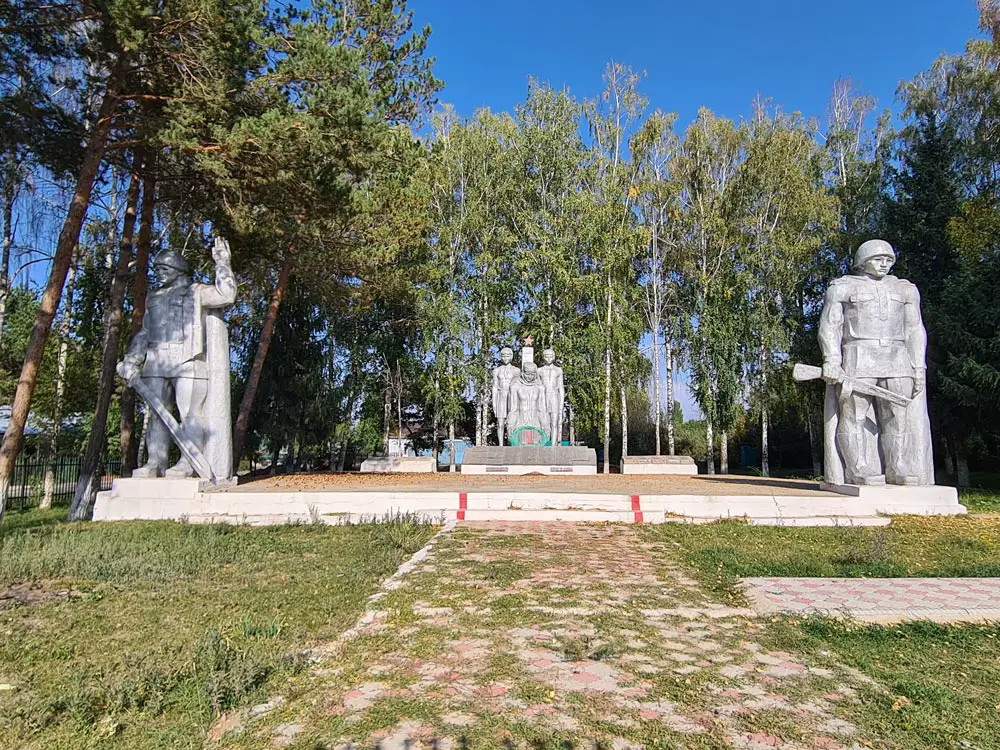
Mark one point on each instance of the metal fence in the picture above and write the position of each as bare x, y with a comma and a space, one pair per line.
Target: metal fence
28, 482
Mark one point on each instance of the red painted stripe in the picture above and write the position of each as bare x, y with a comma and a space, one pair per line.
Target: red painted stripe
463, 505
636, 509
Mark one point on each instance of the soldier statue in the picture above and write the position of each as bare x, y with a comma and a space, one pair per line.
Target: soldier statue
180, 359
551, 375
503, 376
874, 362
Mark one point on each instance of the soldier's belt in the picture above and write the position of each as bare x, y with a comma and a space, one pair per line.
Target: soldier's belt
876, 342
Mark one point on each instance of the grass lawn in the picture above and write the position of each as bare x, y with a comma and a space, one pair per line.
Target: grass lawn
937, 687
136, 635
721, 553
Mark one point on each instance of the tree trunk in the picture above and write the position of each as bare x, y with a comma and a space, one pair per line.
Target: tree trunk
624, 422
243, 416
710, 443
962, 465
386, 420
949, 460
607, 388
9, 196
451, 446
724, 452
815, 446
765, 468
87, 484
399, 408
656, 386
128, 439
435, 451
670, 396
49, 485
68, 238
572, 423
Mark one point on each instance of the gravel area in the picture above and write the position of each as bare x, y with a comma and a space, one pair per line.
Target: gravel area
614, 484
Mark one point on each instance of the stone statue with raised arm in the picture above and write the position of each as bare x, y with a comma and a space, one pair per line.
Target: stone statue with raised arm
874, 362
551, 375
503, 376
179, 361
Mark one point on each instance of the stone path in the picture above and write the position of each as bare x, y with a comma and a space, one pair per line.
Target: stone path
557, 635
880, 600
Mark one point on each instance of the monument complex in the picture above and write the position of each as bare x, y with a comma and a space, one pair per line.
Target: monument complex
877, 435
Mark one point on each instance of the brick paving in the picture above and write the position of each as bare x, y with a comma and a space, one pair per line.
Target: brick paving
880, 600
528, 635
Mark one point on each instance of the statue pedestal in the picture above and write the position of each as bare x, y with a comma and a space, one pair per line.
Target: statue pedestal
400, 464
154, 499
659, 465
893, 499
522, 459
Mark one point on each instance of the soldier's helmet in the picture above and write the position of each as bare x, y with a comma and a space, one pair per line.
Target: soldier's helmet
171, 259
873, 249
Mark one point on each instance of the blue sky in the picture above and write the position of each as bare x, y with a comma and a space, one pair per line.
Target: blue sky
719, 54
715, 54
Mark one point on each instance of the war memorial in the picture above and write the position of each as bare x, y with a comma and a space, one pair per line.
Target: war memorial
878, 455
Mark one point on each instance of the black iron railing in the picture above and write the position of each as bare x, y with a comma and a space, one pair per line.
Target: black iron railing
32, 474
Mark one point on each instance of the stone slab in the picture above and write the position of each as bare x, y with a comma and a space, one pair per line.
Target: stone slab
526, 455
400, 464
520, 460
659, 465
879, 600
933, 500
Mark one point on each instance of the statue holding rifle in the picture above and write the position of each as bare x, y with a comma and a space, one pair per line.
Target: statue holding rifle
874, 363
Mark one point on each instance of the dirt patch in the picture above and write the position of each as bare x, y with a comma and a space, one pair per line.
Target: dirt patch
615, 484
28, 594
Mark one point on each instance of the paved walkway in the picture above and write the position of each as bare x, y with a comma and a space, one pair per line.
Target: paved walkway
880, 600
533, 635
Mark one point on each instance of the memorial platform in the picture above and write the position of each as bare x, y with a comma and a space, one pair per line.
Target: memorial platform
528, 459
339, 498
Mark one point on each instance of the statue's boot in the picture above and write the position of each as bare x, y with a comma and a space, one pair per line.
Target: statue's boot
147, 471
180, 470
850, 444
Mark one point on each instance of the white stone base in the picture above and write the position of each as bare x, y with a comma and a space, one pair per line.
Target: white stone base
892, 499
522, 469
401, 464
153, 498
186, 499
659, 465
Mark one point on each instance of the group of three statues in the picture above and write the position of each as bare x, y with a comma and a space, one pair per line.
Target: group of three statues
871, 335
528, 401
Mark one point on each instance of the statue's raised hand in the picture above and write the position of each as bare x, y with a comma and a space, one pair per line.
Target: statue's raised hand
220, 252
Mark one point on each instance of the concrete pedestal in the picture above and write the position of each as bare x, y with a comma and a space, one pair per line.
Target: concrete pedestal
659, 465
891, 499
513, 460
401, 464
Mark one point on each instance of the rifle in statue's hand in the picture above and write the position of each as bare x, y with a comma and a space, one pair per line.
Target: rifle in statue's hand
801, 373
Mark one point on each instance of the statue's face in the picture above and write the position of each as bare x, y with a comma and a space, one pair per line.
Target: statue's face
878, 267
548, 356
506, 355
166, 275
528, 375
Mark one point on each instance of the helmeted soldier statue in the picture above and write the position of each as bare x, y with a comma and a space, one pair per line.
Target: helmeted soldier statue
181, 355
872, 338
